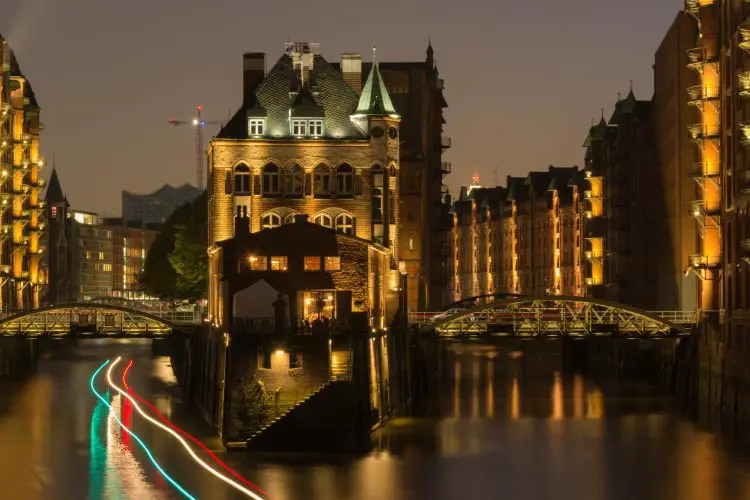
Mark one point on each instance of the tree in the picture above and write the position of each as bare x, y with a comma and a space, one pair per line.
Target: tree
176, 266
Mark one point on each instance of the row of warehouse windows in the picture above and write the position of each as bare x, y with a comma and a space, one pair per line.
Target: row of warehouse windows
343, 223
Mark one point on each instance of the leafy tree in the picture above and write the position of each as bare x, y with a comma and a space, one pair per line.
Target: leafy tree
176, 266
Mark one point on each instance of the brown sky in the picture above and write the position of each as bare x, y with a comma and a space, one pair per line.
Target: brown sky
523, 78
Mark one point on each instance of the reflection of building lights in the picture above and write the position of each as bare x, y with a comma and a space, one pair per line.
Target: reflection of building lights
279, 352
252, 258
308, 301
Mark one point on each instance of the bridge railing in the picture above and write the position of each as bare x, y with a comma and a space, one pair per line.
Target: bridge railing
177, 317
677, 317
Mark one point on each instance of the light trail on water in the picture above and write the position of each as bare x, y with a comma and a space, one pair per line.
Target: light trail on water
183, 432
132, 434
179, 438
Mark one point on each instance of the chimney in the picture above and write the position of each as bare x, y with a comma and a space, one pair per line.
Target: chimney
254, 69
301, 218
241, 222
351, 71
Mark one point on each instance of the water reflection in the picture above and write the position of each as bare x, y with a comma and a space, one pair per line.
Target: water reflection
503, 425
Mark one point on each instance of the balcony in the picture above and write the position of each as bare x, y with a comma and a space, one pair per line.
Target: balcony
705, 169
701, 261
743, 84
705, 208
744, 36
744, 251
589, 195
699, 132
445, 167
745, 134
700, 93
697, 58
445, 142
693, 6
594, 256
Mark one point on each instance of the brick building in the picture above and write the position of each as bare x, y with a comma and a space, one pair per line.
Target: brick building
623, 205
328, 276
22, 275
521, 238
91, 257
304, 142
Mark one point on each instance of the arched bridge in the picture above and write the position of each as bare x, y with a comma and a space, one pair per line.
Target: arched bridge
90, 319
552, 316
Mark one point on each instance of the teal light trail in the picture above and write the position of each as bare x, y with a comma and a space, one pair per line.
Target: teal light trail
134, 436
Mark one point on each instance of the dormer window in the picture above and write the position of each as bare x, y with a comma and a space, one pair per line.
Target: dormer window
315, 128
256, 127
307, 128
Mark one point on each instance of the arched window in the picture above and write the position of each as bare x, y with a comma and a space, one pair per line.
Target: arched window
322, 181
345, 180
293, 180
241, 179
324, 220
290, 218
271, 220
345, 224
270, 179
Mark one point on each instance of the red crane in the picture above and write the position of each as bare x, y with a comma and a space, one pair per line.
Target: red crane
199, 123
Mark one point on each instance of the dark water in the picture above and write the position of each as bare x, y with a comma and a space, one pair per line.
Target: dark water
504, 426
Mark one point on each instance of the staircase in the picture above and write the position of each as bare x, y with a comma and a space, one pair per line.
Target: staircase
323, 422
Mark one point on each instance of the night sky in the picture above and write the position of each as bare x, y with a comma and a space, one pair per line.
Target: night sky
523, 77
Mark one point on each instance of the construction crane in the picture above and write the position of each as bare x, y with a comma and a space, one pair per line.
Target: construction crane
199, 124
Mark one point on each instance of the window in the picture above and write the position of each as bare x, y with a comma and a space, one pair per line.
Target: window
242, 179
322, 180
312, 263
324, 220
299, 128
54, 212
258, 263
290, 218
333, 263
270, 179
270, 221
345, 180
377, 194
279, 263
255, 126
293, 180
315, 128
345, 224
411, 244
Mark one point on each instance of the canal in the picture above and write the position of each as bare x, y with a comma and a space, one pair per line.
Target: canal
503, 425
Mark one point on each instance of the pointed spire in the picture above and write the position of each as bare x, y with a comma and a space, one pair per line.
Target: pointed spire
631, 85
375, 100
54, 192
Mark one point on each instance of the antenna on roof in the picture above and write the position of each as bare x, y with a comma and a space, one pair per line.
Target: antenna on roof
374, 54
631, 85
602, 113
619, 96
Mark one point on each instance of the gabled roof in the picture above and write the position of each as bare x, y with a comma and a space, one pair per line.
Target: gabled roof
630, 106
597, 132
375, 99
305, 105
518, 190
54, 192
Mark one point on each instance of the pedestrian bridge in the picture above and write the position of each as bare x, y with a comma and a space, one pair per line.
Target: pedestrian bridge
552, 316
96, 320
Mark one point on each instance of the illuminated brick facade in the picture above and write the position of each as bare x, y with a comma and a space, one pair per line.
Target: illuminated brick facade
304, 142
523, 238
22, 274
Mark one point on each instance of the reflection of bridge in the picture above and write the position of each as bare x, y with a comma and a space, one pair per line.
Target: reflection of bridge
101, 320
512, 315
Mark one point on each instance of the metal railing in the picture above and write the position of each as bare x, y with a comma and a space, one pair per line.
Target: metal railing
184, 317
700, 208
701, 93
744, 35
702, 131
700, 261
743, 181
445, 141
705, 169
445, 167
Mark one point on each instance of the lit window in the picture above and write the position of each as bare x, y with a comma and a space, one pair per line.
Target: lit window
345, 224
271, 179
242, 179
323, 220
315, 128
293, 180
345, 180
299, 127
312, 263
255, 126
411, 244
279, 264
258, 263
271, 221
54, 212
322, 180
333, 263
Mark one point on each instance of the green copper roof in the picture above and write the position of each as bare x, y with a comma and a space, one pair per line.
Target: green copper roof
375, 99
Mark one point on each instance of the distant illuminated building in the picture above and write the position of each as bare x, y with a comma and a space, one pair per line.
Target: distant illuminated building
156, 207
